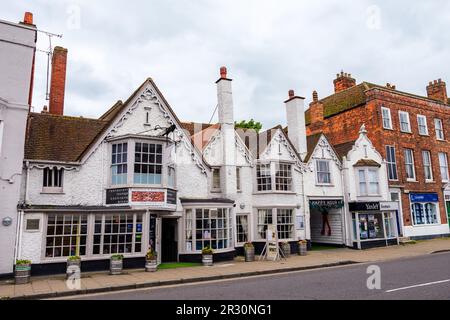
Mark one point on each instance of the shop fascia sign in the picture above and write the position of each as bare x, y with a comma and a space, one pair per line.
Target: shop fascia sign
329, 204
149, 197
424, 197
391, 205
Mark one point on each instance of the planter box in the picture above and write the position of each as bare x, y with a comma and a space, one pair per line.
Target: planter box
303, 249
286, 247
73, 270
249, 254
207, 260
115, 266
151, 265
22, 273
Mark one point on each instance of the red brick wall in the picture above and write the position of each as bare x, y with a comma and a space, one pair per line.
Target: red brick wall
345, 126
58, 81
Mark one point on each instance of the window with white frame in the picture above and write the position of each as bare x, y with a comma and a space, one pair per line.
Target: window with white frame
409, 164
443, 164
242, 228
53, 179
439, 128
119, 166
283, 177
427, 167
425, 213
387, 119
368, 182
282, 218
171, 182
263, 177
238, 179
216, 179
66, 235
405, 125
323, 171
391, 163
147, 163
212, 227
118, 233
423, 126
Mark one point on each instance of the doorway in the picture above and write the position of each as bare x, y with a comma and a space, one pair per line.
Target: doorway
169, 243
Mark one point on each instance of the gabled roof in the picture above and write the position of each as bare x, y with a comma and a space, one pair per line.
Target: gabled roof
367, 163
59, 138
67, 139
344, 148
311, 143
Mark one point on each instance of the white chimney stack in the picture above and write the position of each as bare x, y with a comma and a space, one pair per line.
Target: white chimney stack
295, 113
226, 121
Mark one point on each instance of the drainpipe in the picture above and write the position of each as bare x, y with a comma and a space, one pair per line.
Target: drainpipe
345, 211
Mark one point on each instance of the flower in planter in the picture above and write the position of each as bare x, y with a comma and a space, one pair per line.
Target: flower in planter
207, 251
23, 262
151, 254
248, 245
117, 257
74, 258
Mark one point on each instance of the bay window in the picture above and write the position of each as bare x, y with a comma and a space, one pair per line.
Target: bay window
276, 176
119, 165
147, 163
208, 228
66, 235
283, 177
282, 218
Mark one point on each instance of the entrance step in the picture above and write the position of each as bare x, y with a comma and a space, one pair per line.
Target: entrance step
406, 240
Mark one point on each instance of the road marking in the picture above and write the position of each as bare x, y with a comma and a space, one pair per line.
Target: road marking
419, 285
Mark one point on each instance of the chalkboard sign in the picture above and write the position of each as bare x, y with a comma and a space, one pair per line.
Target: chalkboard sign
117, 196
171, 196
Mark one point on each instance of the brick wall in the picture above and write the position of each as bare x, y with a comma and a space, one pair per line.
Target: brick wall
345, 126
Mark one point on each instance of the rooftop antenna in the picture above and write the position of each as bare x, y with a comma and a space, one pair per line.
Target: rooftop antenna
49, 53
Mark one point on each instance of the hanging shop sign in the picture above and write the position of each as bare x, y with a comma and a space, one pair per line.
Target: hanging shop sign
424, 197
171, 196
364, 206
117, 196
326, 204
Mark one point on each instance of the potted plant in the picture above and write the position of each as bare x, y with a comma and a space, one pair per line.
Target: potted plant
249, 250
207, 256
73, 266
22, 271
151, 261
116, 264
286, 248
302, 247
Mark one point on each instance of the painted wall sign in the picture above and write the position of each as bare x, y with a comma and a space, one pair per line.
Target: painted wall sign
364, 206
117, 196
148, 196
424, 197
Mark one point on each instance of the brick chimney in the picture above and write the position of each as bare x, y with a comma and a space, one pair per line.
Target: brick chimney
316, 114
437, 90
58, 81
343, 81
295, 114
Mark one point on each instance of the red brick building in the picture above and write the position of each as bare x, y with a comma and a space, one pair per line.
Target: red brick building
411, 132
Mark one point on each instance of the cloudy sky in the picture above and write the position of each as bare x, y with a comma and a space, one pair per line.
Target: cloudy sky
269, 47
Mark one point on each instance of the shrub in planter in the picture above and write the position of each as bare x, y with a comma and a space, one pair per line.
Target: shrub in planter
303, 247
286, 247
151, 261
23, 271
249, 250
116, 264
73, 269
207, 256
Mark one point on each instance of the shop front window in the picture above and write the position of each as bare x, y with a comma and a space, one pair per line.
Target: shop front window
424, 213
118, 233
371, 226
66, 235
212, 228
283, 218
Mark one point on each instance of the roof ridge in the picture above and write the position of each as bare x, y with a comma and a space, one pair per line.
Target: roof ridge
65, 117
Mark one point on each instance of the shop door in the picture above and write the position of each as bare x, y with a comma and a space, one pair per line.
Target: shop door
448, 211
169, 244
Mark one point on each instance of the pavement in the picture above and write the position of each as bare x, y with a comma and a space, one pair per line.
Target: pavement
425, 277
101, 282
